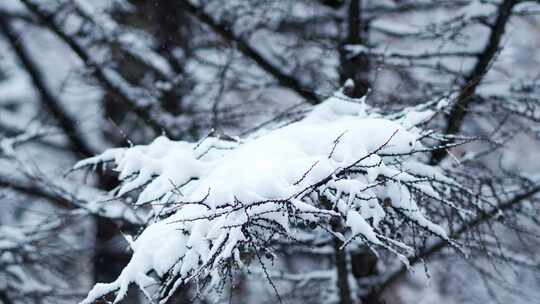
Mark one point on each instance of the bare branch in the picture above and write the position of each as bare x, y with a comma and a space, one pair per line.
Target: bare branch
460, 108
249, 51
110, 80
68, 124
439, 245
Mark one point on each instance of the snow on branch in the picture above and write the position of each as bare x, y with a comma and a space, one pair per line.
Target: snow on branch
217, 201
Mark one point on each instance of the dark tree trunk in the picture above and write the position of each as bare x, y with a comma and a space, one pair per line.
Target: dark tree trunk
342, 273
363, 263
355, 68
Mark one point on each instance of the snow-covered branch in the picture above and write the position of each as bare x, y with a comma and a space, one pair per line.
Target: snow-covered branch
217, 200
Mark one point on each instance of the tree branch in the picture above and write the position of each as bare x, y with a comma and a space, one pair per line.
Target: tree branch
36, 191
247, 50
460, 108
442, 244
68, 124
61, 199
108, 82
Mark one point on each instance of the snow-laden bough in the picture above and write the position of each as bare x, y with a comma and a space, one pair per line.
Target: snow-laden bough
215, 199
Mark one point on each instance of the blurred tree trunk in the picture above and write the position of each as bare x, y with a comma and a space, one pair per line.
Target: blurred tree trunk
356, 68
171, 28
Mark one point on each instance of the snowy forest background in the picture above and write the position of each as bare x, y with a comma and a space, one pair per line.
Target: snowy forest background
314, 151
